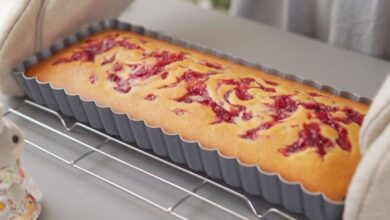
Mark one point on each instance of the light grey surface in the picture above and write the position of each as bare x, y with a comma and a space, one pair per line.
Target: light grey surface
271, 47
69, 194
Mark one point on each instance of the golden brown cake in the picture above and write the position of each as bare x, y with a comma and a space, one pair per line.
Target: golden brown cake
305, 134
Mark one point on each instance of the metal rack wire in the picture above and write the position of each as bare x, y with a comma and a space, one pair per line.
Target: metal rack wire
96, 149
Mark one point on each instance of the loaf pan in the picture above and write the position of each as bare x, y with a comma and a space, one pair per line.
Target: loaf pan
271, 186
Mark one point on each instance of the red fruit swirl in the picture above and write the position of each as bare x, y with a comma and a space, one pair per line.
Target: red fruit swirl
309, 136
88, 52
150, 97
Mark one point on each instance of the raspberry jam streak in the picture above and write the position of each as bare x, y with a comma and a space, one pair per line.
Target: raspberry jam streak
252, 134
179, 111
309, 136
88, 52
150, 97
272, 83
283, 106
163, 59
108, 60
142, 71
241, 87
247, 116
93, 78
215, 66
313, 94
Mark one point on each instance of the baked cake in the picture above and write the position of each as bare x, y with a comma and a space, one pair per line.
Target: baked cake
305, 134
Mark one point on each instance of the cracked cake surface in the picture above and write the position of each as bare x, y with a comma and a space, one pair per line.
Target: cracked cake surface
304, 134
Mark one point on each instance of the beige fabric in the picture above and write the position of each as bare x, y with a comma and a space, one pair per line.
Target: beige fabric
369, 193
377, 118
29, 26
17, 41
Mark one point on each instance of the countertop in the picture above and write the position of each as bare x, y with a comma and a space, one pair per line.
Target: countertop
71, 194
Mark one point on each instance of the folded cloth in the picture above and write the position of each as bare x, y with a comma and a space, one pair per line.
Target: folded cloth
377, 118
28, 26
369, 194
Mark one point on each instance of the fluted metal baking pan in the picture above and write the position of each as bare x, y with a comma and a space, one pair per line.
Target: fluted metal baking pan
271, 186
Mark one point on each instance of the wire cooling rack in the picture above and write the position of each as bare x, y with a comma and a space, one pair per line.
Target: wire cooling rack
107, 139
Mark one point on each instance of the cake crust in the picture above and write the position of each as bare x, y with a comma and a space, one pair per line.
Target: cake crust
304, 134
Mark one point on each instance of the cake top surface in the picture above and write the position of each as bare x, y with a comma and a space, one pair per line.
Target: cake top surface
242, 111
